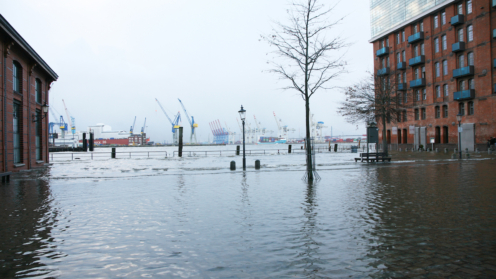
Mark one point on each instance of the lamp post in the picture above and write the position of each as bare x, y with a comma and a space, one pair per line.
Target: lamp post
459, 119
242, 115
44, 108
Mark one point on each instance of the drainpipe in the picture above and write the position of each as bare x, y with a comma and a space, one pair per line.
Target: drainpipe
4, 134
29, 118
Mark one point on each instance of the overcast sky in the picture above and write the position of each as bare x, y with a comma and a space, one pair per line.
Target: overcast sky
115, 57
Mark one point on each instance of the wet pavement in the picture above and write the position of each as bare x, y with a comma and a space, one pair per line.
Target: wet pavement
420, 216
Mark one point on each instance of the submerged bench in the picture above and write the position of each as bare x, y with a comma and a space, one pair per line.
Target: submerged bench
373, 157
5, 176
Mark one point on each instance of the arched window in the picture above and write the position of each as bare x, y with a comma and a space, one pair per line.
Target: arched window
403, 55
461, 61
461, 108
37, 85
416, 50
445, 111
470, 59
445, 89
422, 49
424, 94
17, 77
470, 108
417, 95
462, 85
404, 116
460, 9
436, 45
471, 84
398, 57
445, 42
437, 112
470, 33
438, 91
423, 113
469, 6
460, 35
438, 71
387, 61
417, 72
445, 67
399, 78
416, 114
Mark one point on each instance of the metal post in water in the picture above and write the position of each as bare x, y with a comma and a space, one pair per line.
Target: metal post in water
237, 150
92, 142
113, 152
289, 149
233, 165
180, 144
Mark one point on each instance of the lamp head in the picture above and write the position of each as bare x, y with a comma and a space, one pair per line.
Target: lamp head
45, 107
459, 117
242, 113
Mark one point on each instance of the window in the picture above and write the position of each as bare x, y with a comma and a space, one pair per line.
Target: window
470, 108
470, 33
445, 43
470, 59
424, 94
400, 99
471, 84
398, 57
17, 77
462, 85
436, 45
445, 67
387, 61
37, 85
436, 23
421, 26
404, 116
381, 43
416, 114
404, 77
399, 117
417, 95
443, 18
469, 6
398, 38
38, 135
438, 91
445, 89
415, 30
461, 108
405, 96
417, 73
422, 49
415, 50
403, 35
460, 35
460, 9
423, 72
399, 78
437, 112
17, 132
438, 71
461, 61
423, 113
383, 64
445, 111
403, 56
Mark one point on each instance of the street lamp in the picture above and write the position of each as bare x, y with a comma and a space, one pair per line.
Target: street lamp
242, 115
459, 119
37, 118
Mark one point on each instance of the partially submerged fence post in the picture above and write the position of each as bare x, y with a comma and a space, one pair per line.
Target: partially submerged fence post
85, 143
289, 149
180, 145
113, 152
335, 147
92, 142
237, 150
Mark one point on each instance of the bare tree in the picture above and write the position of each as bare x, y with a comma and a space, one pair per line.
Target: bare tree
375, 97
304, 50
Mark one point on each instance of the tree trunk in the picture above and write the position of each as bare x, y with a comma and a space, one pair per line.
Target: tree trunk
384, 136
309, 143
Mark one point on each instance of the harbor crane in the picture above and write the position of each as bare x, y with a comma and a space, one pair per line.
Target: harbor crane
69, 118
175, 123
283, 129
131, 130
191, 123
143, 128
61, 124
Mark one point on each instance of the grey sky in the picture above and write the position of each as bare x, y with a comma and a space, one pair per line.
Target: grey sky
115, 57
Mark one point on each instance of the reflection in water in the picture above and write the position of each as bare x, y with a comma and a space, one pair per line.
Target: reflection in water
28, 217
310, 256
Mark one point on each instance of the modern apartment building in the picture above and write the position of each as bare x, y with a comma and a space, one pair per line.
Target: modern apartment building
25, 83
442, 56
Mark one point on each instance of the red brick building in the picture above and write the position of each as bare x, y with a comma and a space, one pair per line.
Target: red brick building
25, 83
443, 57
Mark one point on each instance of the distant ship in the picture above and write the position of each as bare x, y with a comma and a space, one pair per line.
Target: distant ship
271, 140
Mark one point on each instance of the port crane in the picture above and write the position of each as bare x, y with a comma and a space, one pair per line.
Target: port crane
69, 118
175, 123
191, 123
143, 128
61, 124
283, 129
131, 130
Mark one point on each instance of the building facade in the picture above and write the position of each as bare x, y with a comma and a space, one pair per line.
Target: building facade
25, 83
442, 56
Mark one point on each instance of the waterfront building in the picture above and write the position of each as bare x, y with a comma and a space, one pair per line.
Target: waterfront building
25, 83
442, 56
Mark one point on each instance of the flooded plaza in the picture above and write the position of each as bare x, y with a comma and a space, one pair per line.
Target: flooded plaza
423, 215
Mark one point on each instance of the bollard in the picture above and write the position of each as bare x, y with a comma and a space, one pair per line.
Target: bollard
237, 149
467, 155
335, 147
113, 152
257, 164
454, 156
180, 143
289, 149
233, 165
92, 142
85, 143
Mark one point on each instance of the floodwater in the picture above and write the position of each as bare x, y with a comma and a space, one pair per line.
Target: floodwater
192, 217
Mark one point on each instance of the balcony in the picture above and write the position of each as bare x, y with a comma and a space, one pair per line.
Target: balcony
382, 51
416, 60
402, 87
463, 72
464, 95
457, 20
457, 47
416, 37
401, 66
383, 71
417, 83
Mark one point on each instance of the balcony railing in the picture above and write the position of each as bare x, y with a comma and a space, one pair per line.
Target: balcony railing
416, 37
383, 71
464, 95
457, 20
401, 66
416, 60
382, 51
402, 86
456, 47
462, 72
417, 83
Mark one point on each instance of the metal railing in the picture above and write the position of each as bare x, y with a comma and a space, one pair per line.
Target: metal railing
108, 155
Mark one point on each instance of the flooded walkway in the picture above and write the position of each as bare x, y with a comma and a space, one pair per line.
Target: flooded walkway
192, 217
